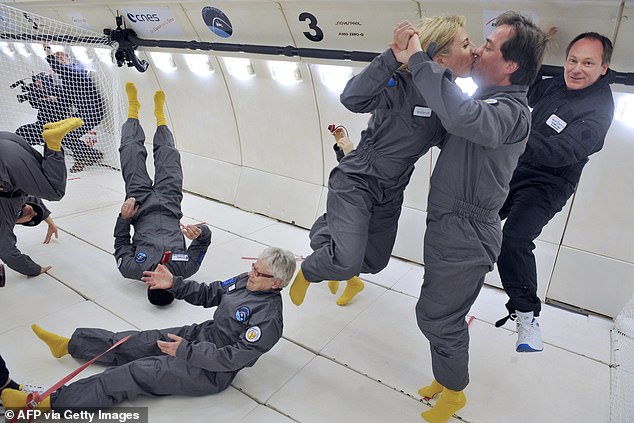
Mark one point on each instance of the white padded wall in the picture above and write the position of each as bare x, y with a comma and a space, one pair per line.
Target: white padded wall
201, 110
287, 199
592, 282
595, 266
279, 131
601, 220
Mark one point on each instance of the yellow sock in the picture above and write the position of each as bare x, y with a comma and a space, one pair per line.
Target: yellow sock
333, 286
298, 288
432, 390
57, 344
55, 131
12, 398
159, 108
448, 403
353, 287
133, 100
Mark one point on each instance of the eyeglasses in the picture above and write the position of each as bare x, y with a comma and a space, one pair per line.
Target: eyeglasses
260, 274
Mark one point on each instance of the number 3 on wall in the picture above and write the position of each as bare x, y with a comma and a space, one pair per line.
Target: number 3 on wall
312, 24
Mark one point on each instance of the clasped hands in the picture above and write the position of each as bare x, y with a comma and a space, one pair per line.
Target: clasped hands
406, 42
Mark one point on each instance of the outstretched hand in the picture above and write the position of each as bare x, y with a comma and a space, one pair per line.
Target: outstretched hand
129, 208
168, 347
191, 231
160, 278
52, 230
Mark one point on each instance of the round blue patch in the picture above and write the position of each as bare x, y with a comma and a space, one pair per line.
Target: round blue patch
140, 257
217, 22
243, 313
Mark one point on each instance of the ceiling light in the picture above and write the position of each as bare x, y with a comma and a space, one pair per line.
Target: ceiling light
7, 48
21, 48
335, 77
239, 68
104, 54
199, 64
285, 72
81, 54
163, 61
38, 49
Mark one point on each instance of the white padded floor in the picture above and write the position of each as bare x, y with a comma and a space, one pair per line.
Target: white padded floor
359, 363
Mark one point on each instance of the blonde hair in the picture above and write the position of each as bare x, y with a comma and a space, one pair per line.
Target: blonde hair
442, 30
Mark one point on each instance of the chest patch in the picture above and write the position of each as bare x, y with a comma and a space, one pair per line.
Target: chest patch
228, 282
243, 313
421, 111
180, 257
557, 123
253, 334
140, 257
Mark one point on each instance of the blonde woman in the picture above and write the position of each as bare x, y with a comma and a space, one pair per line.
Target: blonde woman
365, 191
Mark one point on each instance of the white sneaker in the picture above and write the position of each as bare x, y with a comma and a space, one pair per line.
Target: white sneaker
529, 336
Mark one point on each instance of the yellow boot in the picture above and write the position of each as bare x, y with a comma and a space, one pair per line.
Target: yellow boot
55, 131
333, 286
298, 288
12, 398
353, 287
448, 403
133, 100
431, 391
159, 105
57, 344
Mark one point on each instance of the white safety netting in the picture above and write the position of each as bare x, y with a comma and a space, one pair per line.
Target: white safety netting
622, 367
50, 71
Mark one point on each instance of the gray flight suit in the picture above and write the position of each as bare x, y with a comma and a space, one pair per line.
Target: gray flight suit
365, 190
157, 222
24, 172
246, 325
486, 136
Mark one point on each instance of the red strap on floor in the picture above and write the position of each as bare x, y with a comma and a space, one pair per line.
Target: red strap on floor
34, 398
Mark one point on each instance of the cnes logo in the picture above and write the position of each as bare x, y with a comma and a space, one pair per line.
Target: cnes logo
144, 17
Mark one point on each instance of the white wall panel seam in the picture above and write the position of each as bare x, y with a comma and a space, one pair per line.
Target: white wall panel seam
552, 271
324, 182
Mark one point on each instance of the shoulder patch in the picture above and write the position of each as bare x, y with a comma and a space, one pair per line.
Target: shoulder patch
490, 101
253, 334
228, 282
243, 313
140, 257
119, 260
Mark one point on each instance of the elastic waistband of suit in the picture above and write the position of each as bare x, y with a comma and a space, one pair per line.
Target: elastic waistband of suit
372, 155
463, 208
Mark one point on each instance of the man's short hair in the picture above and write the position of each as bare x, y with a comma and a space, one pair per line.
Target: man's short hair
525, 47
606, 57
281, 263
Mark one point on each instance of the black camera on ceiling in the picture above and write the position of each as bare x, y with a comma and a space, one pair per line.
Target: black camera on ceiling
125, 53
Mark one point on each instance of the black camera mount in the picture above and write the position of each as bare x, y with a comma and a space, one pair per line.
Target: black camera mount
126, 48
